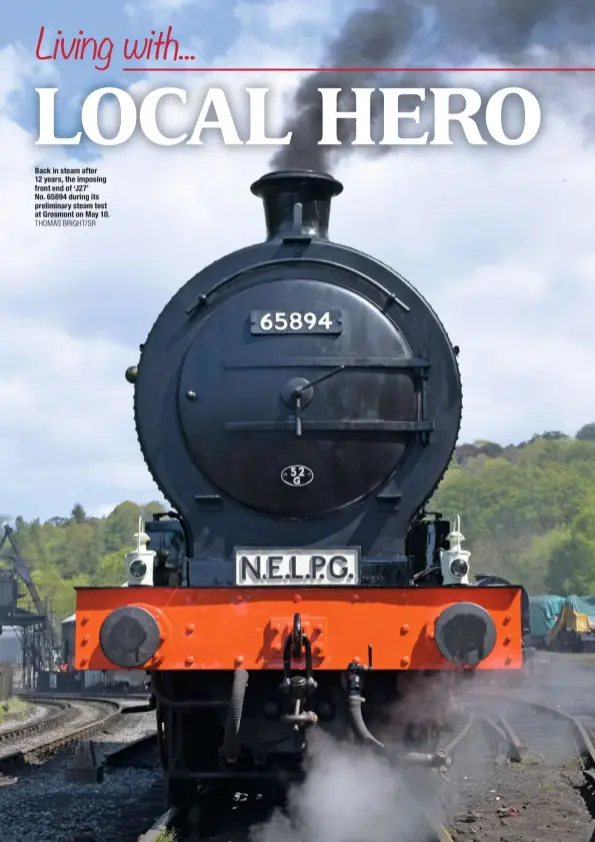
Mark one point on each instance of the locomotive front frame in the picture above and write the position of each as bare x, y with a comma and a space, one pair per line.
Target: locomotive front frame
239, 674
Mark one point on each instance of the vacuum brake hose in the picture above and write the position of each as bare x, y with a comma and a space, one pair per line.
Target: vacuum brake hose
356, 721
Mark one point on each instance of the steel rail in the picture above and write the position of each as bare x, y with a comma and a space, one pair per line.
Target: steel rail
160, 826
518, 748
436, 831
88, 693
57, 713
56, 743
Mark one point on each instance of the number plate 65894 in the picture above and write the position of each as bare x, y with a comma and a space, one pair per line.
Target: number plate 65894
274, 322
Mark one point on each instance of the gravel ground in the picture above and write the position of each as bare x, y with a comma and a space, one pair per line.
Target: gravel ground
527, 804
539, 800
42, 807
129, 728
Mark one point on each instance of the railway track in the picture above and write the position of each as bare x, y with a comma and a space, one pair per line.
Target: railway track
97, 695
222, 812
137, 754
57, 712
171, 821
530, 731
219, 809
141, 754
159, 828
56, 724
85, 789
535, 731
542, 783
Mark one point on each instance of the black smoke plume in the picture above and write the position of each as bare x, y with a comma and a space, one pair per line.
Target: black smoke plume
519, 33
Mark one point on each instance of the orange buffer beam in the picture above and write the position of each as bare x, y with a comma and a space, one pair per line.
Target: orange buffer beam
224, 628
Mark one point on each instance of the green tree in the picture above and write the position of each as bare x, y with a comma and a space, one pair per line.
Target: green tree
111, 570
120, 525
78, 514
64, 553
572, 567
518, 508
488, 448
58, 593
527, 513
534, 561
586, 433
58, 521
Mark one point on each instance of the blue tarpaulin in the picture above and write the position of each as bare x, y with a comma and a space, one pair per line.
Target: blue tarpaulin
545, 610
582, 605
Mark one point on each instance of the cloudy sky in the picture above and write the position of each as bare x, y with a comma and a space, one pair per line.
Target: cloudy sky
499, 240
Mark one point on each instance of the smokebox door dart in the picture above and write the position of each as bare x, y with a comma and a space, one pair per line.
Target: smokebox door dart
297, 394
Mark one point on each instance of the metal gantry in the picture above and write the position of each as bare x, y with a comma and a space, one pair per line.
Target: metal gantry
31, 620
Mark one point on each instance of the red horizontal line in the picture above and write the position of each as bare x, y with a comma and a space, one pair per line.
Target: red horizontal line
358, 69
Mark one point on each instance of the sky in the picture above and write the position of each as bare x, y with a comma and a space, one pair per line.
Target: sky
500, 241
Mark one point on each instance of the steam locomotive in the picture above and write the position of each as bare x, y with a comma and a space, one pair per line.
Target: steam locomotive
297, 402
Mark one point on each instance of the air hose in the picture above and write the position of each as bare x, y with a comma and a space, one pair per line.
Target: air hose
231, 742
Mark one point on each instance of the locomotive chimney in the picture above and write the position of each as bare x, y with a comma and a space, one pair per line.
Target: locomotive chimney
297, 202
